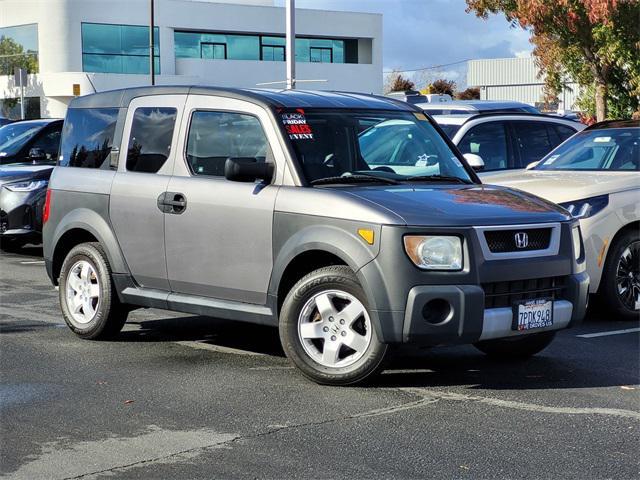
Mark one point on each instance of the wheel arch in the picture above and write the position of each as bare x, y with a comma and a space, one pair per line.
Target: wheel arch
629, 227
80, 226
314, 247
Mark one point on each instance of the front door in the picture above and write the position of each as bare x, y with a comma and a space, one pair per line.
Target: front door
145, 166
220, 245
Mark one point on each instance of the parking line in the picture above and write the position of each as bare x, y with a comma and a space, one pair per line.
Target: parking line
612, 332
33, 262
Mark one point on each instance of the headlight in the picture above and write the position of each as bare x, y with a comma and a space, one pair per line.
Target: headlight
28, 186
586, 207
577, 242
434, 252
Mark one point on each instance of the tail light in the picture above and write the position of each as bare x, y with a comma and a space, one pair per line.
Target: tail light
47, 207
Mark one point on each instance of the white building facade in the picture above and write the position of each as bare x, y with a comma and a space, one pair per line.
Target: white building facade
516, 79
84, 46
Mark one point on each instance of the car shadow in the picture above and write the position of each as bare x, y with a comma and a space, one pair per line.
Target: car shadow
464, 366
567, 363
24, 251
206, 330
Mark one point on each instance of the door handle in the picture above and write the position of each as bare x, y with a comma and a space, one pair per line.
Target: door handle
172, 202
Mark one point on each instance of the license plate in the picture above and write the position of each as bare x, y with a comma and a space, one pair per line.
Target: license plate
532, 314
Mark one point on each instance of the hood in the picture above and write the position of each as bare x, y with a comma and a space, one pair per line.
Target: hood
461, 205
17, 173
565, 186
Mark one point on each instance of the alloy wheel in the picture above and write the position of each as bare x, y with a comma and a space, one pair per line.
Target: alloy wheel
334, 328
628, 276
83, 292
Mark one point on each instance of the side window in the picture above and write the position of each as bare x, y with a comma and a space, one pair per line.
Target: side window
489, 140
532, 140
150, 138
563, 132
87, 137
49, 142
216, 136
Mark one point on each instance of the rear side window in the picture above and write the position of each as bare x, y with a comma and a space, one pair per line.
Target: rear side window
216, 136
87, 137
489, 140
532, 140
150, 138
563, 132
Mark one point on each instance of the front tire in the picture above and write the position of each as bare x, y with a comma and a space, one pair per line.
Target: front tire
89, 302
620, 288
326, 329
516, 348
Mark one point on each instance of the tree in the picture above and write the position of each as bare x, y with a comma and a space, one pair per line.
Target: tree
12, 55
471, 93
397, 83
443, 87
594, 42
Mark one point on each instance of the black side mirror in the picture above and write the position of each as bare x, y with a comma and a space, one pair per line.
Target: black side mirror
37, 154
247, 169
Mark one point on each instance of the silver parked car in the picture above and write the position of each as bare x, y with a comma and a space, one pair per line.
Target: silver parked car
345, 220
506, 141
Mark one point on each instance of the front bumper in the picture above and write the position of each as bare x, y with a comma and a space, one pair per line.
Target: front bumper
447, 308
21, 214
467, 321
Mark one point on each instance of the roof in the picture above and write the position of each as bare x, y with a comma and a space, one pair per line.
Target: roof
614, 124
268, 98
478, 105
463, 118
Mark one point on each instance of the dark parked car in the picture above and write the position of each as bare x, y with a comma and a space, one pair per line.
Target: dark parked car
4, 121
28, 152
30, 141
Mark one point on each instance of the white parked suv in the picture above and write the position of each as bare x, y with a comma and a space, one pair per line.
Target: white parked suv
505, 141
596, 176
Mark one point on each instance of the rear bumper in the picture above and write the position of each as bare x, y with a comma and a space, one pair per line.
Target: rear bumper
460, 316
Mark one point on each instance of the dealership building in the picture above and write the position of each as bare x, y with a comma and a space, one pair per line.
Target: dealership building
85, 46
516, 79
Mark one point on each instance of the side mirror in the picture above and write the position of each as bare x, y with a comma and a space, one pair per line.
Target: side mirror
37, 154
247, 169
474, 161
532, 165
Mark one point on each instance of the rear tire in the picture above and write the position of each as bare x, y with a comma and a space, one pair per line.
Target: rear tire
620, 287
88, 299
326, 329
516, 348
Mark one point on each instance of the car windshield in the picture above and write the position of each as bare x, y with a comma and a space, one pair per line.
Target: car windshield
388, 146
604, 149
14, 136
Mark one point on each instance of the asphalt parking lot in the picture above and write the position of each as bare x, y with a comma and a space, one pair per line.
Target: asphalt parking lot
190, 397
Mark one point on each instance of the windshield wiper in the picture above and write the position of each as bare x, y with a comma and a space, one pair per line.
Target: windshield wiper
438, 178
358, 178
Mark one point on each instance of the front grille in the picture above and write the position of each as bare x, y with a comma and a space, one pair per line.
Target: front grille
504, 241
504, 294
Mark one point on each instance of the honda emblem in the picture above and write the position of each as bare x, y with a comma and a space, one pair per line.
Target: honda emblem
522, 240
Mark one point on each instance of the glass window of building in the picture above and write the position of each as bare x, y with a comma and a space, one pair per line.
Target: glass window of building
118, 48
21, 41
231, 46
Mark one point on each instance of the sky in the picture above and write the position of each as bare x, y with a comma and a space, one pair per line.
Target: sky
421, 33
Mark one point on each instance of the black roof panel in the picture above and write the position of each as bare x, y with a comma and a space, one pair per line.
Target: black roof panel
270, 98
